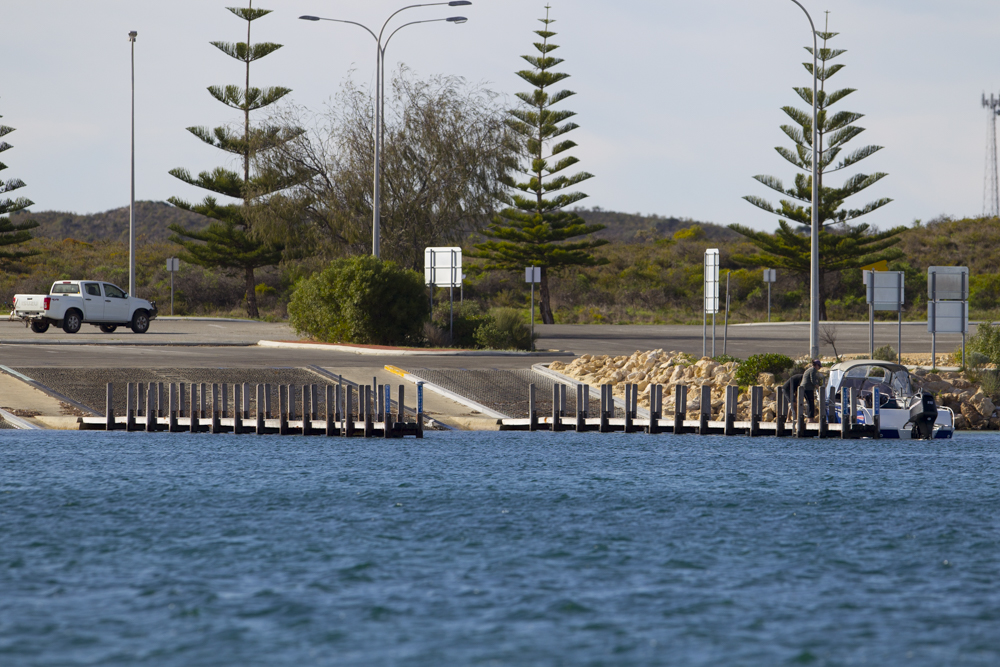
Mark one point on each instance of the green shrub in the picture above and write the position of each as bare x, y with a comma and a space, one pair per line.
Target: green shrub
505, 330
726, 358
746, 374
986, 341
361, 300
468, 317
885, 353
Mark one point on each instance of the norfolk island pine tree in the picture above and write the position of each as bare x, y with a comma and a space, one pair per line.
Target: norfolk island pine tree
229, 242
12, 234
533, 228
851, 246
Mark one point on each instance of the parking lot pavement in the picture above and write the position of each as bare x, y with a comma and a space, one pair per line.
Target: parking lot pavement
162, 331
191, 343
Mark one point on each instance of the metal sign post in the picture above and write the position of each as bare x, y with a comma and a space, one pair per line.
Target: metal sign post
711, 305
947, 304
173, 266
885, 292
770, 276
533, 276
443, 268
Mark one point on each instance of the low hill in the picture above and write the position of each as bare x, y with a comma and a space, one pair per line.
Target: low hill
633, 227
152, 219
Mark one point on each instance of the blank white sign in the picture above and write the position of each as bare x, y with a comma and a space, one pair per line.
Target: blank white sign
948, 317
443, 267
712, 281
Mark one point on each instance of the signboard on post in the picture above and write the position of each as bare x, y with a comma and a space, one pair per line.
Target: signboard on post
770, 276
947, 304
533, 276
443, 268
711, 297
173, 265
885, 291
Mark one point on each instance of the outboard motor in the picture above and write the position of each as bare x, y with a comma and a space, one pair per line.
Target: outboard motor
923, 414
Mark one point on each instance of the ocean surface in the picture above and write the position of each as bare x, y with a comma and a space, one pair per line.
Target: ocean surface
497, 549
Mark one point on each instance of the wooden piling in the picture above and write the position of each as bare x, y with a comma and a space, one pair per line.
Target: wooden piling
306, 410
349, 411
706, 409
582, 398
387, 430
282, 409
821, 411
680, 407
369, 412
655, 409
216, 424
756, 410
730, 407
195, 413
202, 399
267, 401
400, 405
140, 398
420, 410
532, 414
172, 410
180, 400
151, 424
782, 416
130, 399
629, 390
259, 427
238, 413
606, 412
556, 421
338, 402
800, 415
109, 412
159, 400
246, 400
331, 411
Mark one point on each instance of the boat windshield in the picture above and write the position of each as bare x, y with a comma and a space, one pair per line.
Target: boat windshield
865, 378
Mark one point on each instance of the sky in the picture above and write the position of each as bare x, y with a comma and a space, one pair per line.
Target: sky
679, 103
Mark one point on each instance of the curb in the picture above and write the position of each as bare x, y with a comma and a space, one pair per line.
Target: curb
121, 343
17, 422
379, 352
51, 392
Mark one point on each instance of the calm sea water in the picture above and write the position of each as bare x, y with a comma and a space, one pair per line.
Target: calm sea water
505, 549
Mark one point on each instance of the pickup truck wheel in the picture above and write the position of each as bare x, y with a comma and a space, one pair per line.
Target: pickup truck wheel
72, 322
108, 328
140, 322
39, 327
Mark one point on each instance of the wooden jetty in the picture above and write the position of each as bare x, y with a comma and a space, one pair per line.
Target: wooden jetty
657, 422
372, 416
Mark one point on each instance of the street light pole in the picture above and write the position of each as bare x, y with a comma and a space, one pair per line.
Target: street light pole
379, 100
814, 239
131, 211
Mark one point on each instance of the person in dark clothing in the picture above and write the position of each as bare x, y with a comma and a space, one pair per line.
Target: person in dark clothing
812, 380
791, 389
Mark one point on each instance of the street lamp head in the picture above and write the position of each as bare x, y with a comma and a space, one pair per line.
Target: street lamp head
132, 35
459, 3
309, 18
456, 19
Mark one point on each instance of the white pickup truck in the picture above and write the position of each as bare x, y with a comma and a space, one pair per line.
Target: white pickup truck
72, 303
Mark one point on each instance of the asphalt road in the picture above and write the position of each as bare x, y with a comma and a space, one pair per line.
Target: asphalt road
190, 344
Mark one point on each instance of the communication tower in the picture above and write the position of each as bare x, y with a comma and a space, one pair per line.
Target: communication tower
991, 185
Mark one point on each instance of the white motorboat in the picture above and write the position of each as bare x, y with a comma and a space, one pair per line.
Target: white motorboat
883, 389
